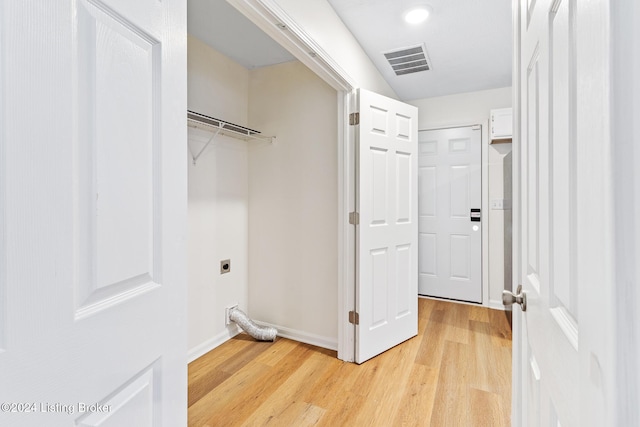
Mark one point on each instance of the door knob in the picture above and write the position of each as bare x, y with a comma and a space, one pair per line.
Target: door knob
508, 298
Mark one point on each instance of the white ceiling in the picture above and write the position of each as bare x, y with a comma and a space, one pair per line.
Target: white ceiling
468, 42
222, 27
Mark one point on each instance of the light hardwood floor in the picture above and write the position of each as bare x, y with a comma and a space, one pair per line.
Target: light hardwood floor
456, 372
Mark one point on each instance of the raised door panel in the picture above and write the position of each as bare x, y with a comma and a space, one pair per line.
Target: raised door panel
428, 191
133, 404
459, 192
563, 285
404, 172
378, 177
404, 277
460, 257
379, 288
117, 198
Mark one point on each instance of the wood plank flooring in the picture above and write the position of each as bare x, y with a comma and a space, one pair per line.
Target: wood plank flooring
456, 372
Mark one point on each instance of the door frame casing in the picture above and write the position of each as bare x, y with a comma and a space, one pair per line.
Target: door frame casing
516, 351
625, 134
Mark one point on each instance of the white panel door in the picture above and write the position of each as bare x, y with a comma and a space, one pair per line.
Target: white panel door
387, 234
450, 186
560, 342
93, 179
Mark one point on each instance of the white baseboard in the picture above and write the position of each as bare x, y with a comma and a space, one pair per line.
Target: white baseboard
202, 349
305, 337
233, 330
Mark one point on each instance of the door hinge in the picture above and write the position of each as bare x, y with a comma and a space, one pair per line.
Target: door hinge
354, 317
354, 218
354, 119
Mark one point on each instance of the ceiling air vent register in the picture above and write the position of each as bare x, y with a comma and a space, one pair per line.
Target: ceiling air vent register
408, 60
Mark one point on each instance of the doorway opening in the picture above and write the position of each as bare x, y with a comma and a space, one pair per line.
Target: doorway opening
271, 208
450, 213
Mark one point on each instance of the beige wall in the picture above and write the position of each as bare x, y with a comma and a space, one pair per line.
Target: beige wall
217, 86
271, 209
218, 198
473, 108
293, 263
461, 108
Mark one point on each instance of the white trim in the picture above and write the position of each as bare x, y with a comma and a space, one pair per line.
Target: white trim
3, 180
625, 134
204, 348
275, 22
289, 333
348, 290
346, 302
455, 301
305, 337
484, 171
516, 346
440, 126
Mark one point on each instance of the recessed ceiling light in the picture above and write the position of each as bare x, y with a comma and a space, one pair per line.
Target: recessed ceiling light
417, 15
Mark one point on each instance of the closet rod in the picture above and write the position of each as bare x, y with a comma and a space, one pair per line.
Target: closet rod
221, 127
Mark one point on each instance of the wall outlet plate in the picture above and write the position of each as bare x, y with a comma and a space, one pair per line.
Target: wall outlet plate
497, 204
500, 204
227, 322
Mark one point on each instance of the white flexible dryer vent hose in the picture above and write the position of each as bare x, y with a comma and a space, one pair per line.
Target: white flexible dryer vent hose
261, 333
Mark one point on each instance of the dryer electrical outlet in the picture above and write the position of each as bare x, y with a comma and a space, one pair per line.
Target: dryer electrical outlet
225, 266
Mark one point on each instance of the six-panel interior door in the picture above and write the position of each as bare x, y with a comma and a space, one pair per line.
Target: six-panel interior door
450, 186
93, 268
387, 234
548, 329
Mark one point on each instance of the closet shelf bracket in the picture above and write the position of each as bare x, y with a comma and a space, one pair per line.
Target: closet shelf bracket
197, 156
220, 127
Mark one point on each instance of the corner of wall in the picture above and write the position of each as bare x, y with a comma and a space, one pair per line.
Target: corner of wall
293, 197
218, 198
217, 85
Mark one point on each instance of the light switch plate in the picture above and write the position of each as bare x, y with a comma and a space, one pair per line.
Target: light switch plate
500, 204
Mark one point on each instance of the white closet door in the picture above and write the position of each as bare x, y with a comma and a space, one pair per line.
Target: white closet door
387, 234
93, 179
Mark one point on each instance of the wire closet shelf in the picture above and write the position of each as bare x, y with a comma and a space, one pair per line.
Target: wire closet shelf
220, 127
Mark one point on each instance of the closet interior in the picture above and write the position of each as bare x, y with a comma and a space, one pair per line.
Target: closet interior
263, 168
